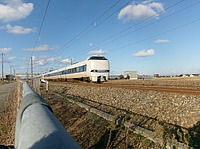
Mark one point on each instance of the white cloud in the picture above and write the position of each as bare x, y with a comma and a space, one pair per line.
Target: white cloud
148, 1
140, 11
98, 52
13, 10
22, 67
66, 61
5, 50
162, 41
11, 58
23, 59
42, 48
144, 53
90, 44
40, 63
8, 60
18, 29
43, 60
157, 6
42, 57
53, 59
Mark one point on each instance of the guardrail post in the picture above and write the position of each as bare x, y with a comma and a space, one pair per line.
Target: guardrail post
37, 127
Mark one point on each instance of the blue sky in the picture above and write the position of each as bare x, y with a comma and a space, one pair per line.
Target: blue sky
154, 36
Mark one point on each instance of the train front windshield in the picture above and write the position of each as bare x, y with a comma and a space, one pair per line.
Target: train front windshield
97, 58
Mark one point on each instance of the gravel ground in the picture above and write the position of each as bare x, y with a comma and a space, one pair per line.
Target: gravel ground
174, 116
184, 82
92, 131
177, 109
170, 115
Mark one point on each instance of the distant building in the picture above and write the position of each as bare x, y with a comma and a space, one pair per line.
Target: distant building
10, 77
113, 77
156, 75
145, 77
131, 74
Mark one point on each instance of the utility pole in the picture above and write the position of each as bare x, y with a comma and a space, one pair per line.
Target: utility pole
31, 70
27, 76
14, 75
10, 73
2, 65
71, 61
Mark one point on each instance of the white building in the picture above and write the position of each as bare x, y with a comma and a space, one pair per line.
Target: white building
132, 74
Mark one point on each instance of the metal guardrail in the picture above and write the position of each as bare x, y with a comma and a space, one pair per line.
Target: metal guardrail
37, 127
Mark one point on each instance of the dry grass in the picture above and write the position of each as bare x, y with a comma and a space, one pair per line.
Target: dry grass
8, 121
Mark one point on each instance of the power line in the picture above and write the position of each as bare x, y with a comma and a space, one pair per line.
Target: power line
91, 24
165, 32
144, 20
146, 25
45, 13
71, 42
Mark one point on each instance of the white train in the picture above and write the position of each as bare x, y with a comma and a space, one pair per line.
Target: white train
94, 69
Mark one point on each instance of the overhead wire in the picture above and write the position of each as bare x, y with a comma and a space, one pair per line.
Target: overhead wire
144, 26
124, 30
45, 13
55, 54
91, 24
144, 20
76, 38
161, 32
170, 30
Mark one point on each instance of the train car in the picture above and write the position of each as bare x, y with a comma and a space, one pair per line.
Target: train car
94, 69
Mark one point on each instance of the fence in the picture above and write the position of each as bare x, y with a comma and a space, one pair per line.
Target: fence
37, 127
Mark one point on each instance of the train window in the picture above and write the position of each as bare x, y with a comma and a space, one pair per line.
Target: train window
73, 70
81, 68
78, 69
66, 71
97, 58
99, 70
85, 66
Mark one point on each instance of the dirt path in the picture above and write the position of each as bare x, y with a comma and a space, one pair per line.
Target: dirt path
5, 93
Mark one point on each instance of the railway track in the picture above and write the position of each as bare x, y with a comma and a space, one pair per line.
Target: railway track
187, 91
